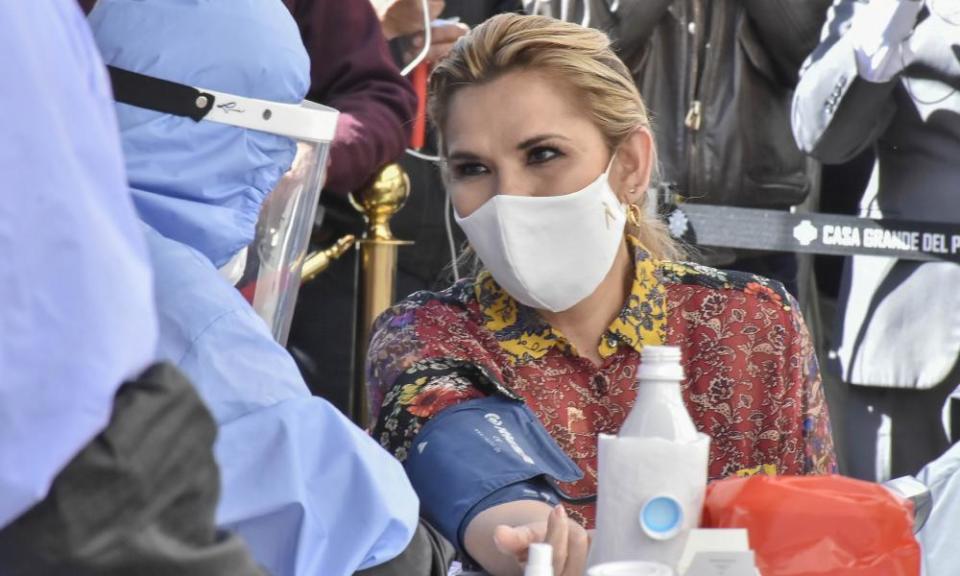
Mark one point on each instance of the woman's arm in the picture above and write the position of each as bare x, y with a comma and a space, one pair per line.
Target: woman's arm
476, 454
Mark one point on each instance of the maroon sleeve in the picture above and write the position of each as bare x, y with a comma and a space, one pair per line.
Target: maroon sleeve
352, 71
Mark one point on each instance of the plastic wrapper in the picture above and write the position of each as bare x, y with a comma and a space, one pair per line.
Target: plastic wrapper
813, 525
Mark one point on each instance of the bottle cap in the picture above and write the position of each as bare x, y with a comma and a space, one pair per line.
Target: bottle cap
661, 517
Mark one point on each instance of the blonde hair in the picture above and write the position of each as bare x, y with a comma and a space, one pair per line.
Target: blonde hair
578, 56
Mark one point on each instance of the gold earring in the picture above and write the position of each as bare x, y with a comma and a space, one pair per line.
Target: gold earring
634, 215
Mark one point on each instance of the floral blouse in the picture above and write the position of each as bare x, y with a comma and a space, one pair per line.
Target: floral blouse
752, 380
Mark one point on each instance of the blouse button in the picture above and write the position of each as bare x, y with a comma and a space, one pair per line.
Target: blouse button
600, 383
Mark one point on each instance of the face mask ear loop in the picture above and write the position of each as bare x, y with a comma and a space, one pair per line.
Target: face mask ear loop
447, 208
613, 157
623, 203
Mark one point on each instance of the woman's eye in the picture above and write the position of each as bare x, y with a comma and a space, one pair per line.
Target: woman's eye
468, 169
542, 154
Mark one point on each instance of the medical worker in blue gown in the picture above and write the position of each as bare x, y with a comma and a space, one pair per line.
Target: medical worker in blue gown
310, 492
106, 457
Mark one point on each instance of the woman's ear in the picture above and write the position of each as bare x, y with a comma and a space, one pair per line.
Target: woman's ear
631, 173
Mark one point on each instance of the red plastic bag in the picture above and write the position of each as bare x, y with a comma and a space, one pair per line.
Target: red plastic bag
818, 525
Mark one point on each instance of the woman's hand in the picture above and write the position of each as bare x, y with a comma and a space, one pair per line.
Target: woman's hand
569, 540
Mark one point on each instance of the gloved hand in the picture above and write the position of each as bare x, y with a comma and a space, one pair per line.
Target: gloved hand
880, 30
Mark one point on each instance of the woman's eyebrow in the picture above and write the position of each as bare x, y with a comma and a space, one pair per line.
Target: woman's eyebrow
531, 142
462, 155
525, 145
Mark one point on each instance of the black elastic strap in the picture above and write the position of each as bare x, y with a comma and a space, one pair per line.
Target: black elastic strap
159, 95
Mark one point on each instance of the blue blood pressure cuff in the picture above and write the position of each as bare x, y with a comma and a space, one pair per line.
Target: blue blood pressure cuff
479, 454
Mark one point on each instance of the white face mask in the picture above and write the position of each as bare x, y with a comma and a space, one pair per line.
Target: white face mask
549, 252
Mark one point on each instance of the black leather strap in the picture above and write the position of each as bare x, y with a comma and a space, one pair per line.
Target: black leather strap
159, 95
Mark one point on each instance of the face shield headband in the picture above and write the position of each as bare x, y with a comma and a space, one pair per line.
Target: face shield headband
307, 121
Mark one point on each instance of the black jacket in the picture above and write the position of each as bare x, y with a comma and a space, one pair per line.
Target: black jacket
717, 76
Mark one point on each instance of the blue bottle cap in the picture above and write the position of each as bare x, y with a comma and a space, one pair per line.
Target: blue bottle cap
661, 517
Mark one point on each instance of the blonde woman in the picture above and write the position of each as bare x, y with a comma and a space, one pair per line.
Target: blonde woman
494, 391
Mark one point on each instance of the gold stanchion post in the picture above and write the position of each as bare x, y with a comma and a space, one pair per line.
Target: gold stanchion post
377, 269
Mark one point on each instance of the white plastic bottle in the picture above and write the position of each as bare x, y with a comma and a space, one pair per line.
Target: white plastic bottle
659, 411
653, 474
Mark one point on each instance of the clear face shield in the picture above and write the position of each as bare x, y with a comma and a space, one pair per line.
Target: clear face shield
267, 272
271, 278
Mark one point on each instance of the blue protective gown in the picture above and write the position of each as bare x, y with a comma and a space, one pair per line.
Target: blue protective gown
76, 309
310, 492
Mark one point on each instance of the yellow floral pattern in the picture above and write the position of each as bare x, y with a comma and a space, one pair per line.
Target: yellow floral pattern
525, 336
763, 469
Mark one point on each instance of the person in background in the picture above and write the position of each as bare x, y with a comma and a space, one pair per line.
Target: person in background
404, 20
326, 311
310, 492
718, 76
106, 457
885, 77
537, 355
353, 71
